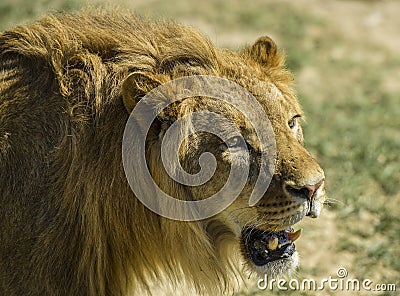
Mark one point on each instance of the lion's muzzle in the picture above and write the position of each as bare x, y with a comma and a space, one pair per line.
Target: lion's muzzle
309, 193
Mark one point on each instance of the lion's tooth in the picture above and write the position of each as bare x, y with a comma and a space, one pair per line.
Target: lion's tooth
273, 243
294, 235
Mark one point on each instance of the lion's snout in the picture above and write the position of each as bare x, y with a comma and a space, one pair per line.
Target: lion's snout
310, 193
305, 192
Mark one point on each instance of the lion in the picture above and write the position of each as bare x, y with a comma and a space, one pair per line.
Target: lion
71, 224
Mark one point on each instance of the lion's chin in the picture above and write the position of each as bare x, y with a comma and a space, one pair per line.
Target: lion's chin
280, 267
272, 253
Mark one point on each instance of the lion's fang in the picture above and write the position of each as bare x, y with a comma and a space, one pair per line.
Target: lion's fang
273, 243
294, 235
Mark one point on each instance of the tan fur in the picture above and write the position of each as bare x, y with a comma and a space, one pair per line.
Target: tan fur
70, 224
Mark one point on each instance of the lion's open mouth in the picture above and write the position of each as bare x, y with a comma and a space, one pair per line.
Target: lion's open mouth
262, 247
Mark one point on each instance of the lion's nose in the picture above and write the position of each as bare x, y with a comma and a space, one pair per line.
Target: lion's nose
305, 192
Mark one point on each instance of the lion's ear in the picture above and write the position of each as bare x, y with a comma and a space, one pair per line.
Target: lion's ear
136, 86
264, 51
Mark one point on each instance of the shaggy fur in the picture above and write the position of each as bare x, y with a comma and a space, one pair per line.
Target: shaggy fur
70, 224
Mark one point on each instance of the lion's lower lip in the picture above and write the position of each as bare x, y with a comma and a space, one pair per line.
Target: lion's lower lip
262, 247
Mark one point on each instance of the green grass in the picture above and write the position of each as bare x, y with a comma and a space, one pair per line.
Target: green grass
353, 116
354, 130
14, 12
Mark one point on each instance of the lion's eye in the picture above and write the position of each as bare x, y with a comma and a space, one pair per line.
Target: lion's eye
293, 122
235, 142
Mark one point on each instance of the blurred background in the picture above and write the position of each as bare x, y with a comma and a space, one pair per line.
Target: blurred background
346, 59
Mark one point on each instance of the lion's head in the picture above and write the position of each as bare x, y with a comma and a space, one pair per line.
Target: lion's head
263, 232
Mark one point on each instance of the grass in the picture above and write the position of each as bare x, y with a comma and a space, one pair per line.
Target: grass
352, 108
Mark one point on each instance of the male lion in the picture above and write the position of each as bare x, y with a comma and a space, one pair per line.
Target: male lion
70, 223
